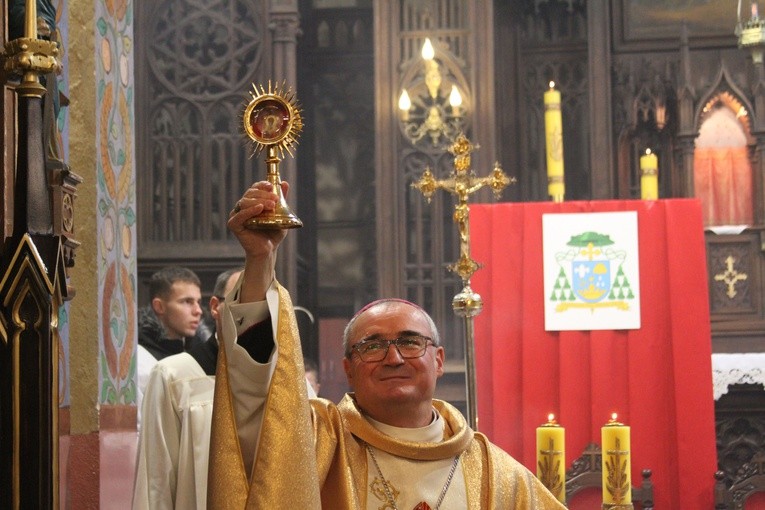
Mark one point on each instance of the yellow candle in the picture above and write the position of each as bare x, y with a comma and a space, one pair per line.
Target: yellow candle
615, 444
554, 144
551, 457
649, 176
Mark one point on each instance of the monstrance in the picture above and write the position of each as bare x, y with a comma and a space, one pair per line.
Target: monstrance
273, 122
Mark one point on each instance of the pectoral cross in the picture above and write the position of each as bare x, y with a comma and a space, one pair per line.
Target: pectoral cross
462, 182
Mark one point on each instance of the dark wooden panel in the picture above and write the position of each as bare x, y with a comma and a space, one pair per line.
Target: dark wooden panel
736, 287
740, 423
654, 25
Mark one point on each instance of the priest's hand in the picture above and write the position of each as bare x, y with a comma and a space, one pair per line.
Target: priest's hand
260, 245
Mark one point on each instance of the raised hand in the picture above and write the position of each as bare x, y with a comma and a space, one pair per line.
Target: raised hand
260, 245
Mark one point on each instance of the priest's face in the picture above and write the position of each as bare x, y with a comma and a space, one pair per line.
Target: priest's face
394, 390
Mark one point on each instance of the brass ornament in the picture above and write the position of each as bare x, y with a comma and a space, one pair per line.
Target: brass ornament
462, 182
272, 120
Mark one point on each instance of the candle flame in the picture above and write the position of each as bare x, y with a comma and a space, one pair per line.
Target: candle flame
404, 102
551, 417
428, 53
647, 151
552, 84
613, 416
455, 98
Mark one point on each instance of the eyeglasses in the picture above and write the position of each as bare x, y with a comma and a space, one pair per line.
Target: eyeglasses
410, 346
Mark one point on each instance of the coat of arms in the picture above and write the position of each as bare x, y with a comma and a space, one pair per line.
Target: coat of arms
591, 276
589, 281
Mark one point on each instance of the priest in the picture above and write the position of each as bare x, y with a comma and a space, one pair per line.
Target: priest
387, 445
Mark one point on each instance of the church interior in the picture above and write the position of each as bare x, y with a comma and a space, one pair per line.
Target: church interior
124, 152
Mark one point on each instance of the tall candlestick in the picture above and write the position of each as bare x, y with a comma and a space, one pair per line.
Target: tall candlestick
617, 485
649, 176
554, 144
30, 19
551, 457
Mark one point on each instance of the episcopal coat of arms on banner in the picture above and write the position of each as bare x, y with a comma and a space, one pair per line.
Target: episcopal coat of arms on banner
591, 271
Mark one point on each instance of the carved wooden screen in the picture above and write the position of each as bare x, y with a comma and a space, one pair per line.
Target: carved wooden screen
336, 158
428, 230
553, 47
195, 62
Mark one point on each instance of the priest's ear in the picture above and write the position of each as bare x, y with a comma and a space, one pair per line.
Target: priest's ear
438, 359
348, 367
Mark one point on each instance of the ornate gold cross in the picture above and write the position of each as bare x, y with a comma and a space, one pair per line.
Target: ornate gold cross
730, 276
462, 182
590, 251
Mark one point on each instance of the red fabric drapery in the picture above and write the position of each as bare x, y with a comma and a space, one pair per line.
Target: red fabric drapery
723, 183
657, 378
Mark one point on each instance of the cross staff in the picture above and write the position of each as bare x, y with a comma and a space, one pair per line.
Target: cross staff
462, 182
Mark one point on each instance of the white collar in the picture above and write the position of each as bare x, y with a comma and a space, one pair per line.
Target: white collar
431, 433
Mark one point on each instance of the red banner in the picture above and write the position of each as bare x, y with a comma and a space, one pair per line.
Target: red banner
657, 378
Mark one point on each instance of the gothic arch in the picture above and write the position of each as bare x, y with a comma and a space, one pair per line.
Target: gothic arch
725, 90
722, 154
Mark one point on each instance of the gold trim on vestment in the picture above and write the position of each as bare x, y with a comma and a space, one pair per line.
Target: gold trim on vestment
457, 435
284, 473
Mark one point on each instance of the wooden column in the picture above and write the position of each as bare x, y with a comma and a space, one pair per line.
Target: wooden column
601, 137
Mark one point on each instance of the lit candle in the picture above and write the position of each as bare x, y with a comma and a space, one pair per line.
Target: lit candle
404, 105
615, 441
432, 74
551, 457
428, 52
455, 100
649, 176
554, 144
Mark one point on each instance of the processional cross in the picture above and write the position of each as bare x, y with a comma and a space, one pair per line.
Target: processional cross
462, 182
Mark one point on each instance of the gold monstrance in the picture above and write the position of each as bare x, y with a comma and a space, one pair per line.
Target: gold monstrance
272, 121
462, 183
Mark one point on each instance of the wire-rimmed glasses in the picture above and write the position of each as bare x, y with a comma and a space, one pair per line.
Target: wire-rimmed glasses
409, 346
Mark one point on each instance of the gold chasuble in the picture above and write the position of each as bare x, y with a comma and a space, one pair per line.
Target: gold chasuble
284, 474
314, 455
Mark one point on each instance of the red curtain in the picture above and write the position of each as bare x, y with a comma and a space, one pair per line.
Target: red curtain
723, 183
657, 378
